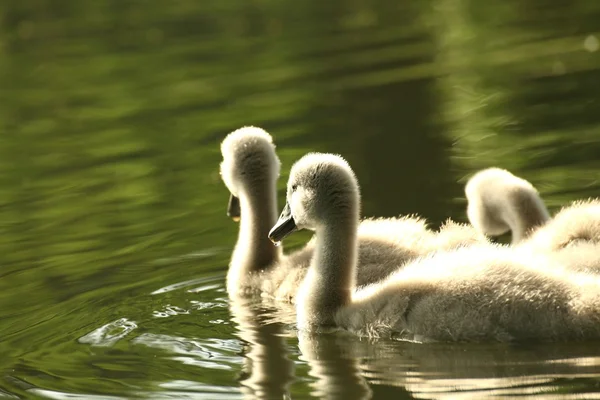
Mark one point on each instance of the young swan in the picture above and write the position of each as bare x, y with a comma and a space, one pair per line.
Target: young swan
477, 293
499, 201
250, 170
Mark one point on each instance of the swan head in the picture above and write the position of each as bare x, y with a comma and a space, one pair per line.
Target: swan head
482, 215
249, 163
321, 188
499, 201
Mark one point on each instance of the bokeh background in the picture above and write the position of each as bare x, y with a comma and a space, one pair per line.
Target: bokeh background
113, 236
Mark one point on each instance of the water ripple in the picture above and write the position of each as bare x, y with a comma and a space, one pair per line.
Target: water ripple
110, 333
209, 353
205, 281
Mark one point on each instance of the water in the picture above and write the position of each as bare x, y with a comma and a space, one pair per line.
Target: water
114, 240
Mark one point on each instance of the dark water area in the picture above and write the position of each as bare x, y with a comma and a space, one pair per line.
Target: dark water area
114, 241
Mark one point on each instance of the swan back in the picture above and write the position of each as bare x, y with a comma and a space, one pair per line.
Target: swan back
574, 225
480, 293
499, 201
454, 235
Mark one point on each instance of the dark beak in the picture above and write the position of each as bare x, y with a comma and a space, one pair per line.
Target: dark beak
233, 208
284, 226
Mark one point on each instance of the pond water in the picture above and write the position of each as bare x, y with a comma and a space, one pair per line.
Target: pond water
114, 240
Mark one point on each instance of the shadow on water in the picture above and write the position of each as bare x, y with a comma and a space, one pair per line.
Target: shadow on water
113, 235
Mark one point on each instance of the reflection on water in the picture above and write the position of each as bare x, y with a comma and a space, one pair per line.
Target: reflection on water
486, 371
267, 370
341, 366
114, 240
337, 374
349, 368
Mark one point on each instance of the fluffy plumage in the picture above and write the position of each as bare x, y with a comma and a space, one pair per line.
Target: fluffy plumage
574, 225
477, 293
499, 201
250, 169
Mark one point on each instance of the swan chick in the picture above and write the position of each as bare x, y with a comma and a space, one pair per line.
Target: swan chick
250, 169
478, 293
499, 201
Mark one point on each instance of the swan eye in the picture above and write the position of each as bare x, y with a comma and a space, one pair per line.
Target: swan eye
294, 187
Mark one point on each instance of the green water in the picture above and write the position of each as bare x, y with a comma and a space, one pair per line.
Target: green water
114, 241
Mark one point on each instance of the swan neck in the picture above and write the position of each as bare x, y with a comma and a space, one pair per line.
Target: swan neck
526, 219
337, 254
330, 281
253, 250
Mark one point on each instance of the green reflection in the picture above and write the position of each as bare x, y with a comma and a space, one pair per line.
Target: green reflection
111, 115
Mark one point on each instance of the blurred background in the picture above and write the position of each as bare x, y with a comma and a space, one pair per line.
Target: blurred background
114, 240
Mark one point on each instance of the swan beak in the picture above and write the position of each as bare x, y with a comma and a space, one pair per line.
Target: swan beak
284, 226
233, 208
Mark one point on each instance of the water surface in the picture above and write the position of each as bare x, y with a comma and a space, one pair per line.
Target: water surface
114, 241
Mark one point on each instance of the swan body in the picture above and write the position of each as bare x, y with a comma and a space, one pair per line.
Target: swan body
478, 293
250, 169
499, 201
574, 225
483, 293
